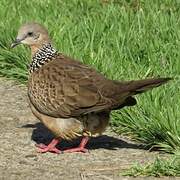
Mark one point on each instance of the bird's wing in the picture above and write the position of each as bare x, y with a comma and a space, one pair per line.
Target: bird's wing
65, 88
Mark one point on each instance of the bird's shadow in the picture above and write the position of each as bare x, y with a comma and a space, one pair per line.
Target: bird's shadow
41, 134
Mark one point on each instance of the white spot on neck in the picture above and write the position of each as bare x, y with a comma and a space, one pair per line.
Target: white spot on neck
42, 56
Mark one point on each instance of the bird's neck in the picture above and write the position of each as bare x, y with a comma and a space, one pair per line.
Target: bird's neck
42, 56
35, 49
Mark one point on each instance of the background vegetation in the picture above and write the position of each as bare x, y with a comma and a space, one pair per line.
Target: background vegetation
124, 39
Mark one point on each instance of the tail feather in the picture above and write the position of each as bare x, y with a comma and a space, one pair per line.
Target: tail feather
129, 88
140, 86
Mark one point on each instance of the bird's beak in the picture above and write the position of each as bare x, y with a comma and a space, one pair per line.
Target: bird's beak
16, 42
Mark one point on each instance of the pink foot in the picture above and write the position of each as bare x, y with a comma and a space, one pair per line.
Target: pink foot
42, 148
78, 149
81, 147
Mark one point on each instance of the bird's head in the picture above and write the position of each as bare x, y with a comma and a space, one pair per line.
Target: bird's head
33, 35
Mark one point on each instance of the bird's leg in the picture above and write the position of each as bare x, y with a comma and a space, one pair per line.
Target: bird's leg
80, 148
42, 148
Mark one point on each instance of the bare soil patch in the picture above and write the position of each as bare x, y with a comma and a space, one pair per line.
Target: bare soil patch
20, 130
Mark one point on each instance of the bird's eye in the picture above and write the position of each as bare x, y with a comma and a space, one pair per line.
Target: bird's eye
30, 33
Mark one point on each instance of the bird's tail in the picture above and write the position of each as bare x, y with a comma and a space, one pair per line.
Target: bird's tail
139, 86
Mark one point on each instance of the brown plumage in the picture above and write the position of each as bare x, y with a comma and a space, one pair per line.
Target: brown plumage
70, 98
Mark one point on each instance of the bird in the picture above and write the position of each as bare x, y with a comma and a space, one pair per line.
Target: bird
70, 98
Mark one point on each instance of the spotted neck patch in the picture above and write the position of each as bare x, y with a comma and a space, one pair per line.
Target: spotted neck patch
42, 56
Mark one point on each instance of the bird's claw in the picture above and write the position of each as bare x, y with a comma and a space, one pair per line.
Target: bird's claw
78, 149
42, 148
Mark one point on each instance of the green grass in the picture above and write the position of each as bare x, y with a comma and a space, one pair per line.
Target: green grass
130, 39
160, 167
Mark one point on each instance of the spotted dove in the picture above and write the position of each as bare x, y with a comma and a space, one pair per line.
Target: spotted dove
70, 98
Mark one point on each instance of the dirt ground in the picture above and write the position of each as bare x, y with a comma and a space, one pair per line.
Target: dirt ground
108, 155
